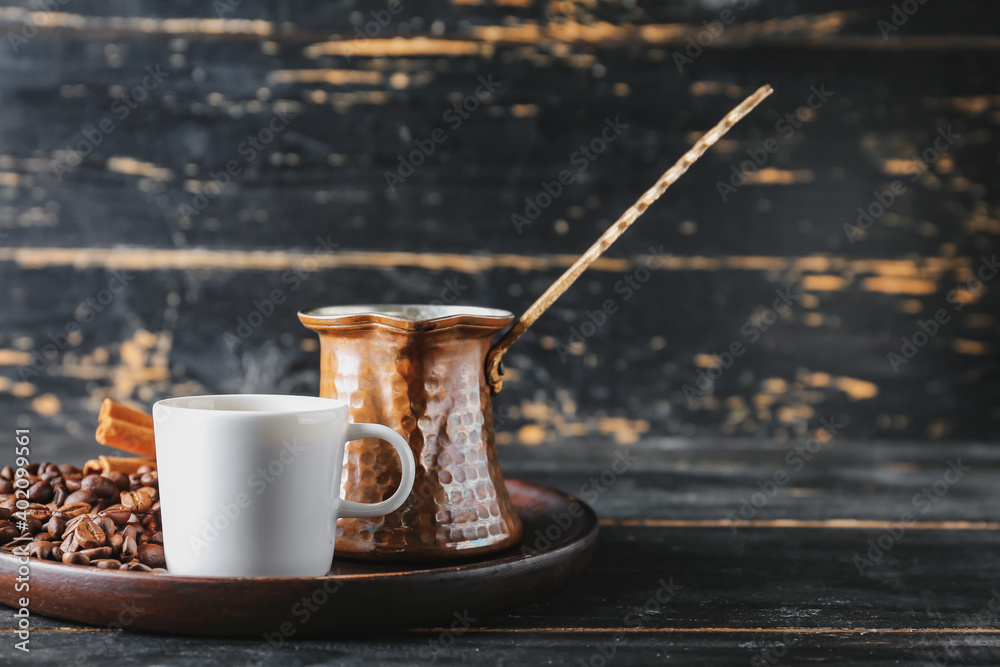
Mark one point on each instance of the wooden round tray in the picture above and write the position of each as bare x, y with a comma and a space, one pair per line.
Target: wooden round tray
560, 533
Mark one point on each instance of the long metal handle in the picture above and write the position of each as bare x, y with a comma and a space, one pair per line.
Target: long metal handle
493, 360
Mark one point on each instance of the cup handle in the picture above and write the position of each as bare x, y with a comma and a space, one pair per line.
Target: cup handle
350, 509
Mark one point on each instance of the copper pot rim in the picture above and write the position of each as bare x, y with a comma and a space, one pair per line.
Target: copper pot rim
405, 317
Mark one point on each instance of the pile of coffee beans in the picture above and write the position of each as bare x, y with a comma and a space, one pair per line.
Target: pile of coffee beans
110, 520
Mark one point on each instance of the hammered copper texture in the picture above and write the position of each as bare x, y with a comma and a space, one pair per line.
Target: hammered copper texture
426, 380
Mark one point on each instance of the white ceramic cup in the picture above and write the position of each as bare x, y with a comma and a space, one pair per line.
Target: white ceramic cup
250, 483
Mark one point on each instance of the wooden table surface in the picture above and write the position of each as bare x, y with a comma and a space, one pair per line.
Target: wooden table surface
312, 217
791, 585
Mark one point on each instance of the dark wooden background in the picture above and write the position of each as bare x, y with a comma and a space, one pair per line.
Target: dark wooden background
781, 586
563, 68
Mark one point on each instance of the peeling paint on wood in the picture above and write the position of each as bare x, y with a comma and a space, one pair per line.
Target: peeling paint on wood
362, 105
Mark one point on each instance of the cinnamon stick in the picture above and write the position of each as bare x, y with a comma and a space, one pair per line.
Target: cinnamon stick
126, 464
121, 427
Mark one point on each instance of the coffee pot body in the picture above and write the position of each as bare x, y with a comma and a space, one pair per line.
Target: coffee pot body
419, 370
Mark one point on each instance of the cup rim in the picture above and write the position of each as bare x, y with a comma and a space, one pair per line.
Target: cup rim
406, 317
304, 404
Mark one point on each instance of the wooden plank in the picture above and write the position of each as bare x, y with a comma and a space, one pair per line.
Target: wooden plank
457, 208
526, 649
663, 484
554, 390
742, 593
719, 483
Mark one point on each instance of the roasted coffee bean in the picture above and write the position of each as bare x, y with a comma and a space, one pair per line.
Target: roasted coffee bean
118, 514
7, 473
98, 553
31, 526
151, 555
76, 521
73, 523
106, 524
60, 495
82, 496
8, 533
89, 535
40, 513
118, 478
40, 492
101, 504
136, 566
144, 469
106, 564
129, 548
69, 470
75, 559
102, 486
40, 549
75, 508
69, 544
137, 501
79, 507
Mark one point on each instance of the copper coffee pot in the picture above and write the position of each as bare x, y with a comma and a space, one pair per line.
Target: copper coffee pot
429, 372
419, 371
